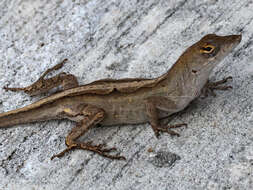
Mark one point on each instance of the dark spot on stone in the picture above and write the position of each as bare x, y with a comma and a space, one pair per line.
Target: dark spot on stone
194, 71
164, 159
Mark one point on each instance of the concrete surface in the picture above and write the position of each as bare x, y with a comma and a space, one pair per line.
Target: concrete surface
118, 39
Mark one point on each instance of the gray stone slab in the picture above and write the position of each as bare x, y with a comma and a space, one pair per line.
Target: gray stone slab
118, 39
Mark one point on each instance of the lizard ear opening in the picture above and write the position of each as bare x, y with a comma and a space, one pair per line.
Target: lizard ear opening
207, 49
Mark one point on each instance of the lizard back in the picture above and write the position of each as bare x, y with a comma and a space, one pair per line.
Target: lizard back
99, 87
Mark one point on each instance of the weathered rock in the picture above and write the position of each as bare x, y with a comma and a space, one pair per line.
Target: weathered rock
119, 39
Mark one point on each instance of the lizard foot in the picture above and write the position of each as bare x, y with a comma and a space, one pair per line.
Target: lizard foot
211, 86
99, 149
43, 85
167, 129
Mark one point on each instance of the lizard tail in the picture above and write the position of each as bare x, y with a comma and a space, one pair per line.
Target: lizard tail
24, 115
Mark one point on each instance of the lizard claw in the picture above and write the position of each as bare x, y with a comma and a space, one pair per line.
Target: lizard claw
64, 151
171, 132
99, 149
167, 129
211, 86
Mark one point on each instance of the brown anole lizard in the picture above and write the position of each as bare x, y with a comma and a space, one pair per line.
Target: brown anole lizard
125, 101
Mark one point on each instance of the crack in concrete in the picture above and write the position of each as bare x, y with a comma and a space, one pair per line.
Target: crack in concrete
174, 10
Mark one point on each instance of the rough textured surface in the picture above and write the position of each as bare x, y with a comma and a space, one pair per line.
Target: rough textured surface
120, 39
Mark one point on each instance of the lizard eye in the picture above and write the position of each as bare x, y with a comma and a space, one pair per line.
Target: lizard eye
207, 49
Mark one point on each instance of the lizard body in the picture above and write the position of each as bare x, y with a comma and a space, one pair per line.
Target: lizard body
124, 101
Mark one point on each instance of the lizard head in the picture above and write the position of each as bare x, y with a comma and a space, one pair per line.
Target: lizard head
210, 50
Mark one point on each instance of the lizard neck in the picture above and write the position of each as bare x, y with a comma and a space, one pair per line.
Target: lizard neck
182, 83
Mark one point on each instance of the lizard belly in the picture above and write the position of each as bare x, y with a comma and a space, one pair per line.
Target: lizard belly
125, 113
119, 108
127, 109
122, 108
130, 108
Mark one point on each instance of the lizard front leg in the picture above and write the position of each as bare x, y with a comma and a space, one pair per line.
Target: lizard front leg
164, 104
92, 116
43, 85
211, 86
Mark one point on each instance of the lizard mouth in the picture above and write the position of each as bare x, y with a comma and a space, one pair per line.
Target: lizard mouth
237, 38
229, 43
233, 40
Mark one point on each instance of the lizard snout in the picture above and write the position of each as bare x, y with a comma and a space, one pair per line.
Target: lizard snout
237, 38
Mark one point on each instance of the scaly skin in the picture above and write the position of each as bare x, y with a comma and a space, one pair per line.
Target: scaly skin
125, 101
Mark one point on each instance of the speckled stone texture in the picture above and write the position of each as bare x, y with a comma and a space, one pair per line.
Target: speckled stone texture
118, 39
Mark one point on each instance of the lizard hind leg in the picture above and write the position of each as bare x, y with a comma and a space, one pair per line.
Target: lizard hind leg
43, 85
92, 116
